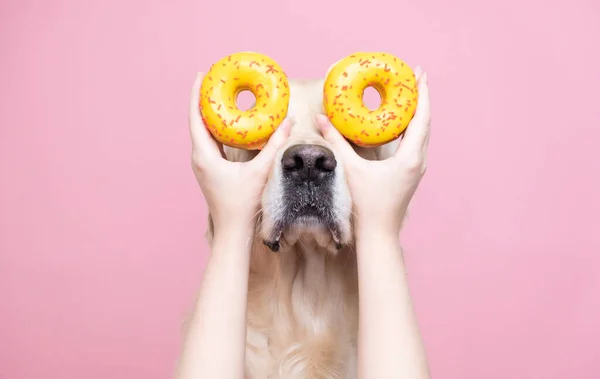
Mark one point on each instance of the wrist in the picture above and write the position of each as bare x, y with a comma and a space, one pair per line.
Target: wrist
376, 232
376, 245
380, 225
233, 231
233, 220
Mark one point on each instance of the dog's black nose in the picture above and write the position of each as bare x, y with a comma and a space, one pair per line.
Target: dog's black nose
308, 163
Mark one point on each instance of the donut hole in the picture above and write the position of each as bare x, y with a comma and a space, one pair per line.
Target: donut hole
371, 98
245, 100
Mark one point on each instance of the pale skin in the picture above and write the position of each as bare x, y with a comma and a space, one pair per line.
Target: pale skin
389, 343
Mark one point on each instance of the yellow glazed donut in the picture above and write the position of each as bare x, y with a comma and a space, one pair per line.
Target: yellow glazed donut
222, 84
343, 97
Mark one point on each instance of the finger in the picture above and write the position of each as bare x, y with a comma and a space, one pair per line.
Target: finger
195, 117
202, 140
277, 140
335, 138
418, 129
418, 71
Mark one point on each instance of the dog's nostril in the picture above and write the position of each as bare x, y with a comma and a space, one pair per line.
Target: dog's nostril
326, 163
292, 162
298, 163
308, 162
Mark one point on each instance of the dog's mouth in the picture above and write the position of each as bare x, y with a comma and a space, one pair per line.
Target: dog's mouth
299, 221
307, 206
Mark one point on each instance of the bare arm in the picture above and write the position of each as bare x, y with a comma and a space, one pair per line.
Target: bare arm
215, 342
390, 344
214, 346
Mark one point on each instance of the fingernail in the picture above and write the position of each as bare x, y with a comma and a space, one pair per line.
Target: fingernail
418, 71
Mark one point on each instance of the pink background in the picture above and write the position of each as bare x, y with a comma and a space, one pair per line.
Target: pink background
101, 221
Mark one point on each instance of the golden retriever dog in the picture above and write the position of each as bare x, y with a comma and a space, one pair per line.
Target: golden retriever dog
303, 286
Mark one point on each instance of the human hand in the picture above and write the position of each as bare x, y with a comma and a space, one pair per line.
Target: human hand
382, 190
232, 189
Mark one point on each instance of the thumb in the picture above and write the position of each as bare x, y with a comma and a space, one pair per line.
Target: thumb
277, 140
335, 138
